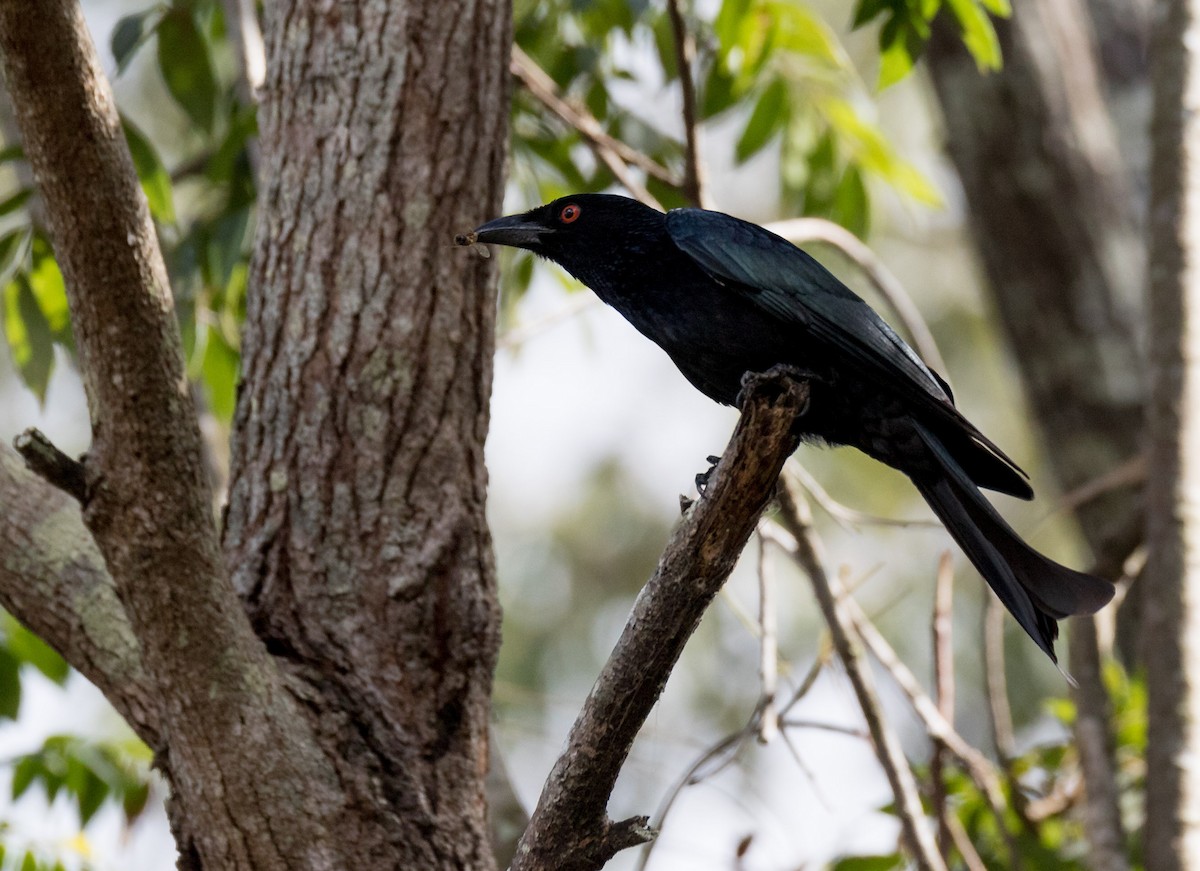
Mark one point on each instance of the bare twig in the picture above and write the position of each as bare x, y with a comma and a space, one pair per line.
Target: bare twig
962, 842
918, 836
999, 712
1127, 474
996, 679
49, 463
727, 748
800, 230
615, 154
943, 689
570, 829
685, 58
1094, 739
844, 514
768, 647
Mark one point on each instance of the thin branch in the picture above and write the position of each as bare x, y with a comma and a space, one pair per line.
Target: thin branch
977, 766
768, 647
1130, 473
570, 829
615, 154
943, 689
844, 515
996, 679
1102, 820
918, 836
49, 463
962, 842
727, 749
694, 187
800, 230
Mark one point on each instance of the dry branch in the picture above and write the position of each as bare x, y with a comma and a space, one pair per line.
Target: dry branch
570, 830
615, 154
49, 463
149, 504
918, 835
685, 57
53, 579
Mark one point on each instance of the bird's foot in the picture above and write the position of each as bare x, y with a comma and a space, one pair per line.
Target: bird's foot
702, 478
772, 379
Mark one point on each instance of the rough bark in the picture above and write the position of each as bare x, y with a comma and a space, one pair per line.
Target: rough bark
1172, 576
52, 575
240, 759
355, 527
1055, 220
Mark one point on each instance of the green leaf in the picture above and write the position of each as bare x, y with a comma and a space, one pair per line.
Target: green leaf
156, 182
851, 207
29, 339
869, 863
868, 9
768, 117
978, 33
129, 33
134, 801
219, 370
15, 202
999, 8
183, 58
11, 152
25, 772
51, 291
10, 685
28, 648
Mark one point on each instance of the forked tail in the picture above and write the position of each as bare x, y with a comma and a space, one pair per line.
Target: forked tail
1035, 589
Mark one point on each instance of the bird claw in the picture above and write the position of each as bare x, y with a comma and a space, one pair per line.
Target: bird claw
702, 478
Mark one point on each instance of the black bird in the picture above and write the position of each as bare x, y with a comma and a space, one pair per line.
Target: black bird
724, 297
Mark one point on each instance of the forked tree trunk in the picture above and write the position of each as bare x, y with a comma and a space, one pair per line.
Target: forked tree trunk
343, 724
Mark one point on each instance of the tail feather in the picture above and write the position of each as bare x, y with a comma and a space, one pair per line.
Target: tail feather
1035, 589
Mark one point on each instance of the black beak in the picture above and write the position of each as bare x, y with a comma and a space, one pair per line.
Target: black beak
515, 230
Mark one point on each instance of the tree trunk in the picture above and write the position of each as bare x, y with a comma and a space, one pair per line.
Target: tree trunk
344, 724
1057, 227
1172, 577
355, 529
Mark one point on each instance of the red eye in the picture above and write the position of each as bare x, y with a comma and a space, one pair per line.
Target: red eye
569, 214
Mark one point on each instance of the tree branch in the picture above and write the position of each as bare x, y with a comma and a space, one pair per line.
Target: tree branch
53, 579
918, 835
52, 465
615, 154
570, 830
685, 56
149, 507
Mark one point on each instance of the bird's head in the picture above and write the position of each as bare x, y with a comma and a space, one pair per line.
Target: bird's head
581, 232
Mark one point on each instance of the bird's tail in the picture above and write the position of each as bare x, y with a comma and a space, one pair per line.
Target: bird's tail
1035, 589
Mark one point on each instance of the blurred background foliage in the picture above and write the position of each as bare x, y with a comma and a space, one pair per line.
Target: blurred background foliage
790, 100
